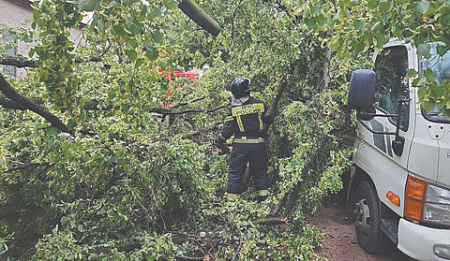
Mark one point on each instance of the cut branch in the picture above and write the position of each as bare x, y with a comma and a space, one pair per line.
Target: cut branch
18, 61
11, 93
199, 16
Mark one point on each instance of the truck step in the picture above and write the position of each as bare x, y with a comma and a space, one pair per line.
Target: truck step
390, 228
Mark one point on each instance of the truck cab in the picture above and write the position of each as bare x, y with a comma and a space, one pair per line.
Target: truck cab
399, 188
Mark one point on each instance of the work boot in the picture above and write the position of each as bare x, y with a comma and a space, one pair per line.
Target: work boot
262, 195
232, 197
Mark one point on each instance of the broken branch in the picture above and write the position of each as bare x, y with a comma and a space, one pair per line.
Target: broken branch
11, 93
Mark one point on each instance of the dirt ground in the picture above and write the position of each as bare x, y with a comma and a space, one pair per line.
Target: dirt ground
340, 241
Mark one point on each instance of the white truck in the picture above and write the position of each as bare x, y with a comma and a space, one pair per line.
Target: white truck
399, 188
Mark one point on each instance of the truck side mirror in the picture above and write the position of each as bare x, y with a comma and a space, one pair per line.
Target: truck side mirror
361, 93
361, 96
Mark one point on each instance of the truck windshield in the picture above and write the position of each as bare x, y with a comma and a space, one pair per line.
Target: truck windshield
440, 66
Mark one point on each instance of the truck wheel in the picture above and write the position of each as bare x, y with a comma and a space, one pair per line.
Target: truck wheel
368, 220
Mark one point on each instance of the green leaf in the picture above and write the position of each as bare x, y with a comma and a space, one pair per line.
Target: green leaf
412, 73
151, 51
64, 220
119, 30
321, 20
441, 50
139, 62
131, 54
423, 6
358, 24
155, 13
310, 22
423, 50
52, 131
372, 4
88, 5
100, 25
157, 36
429, 105
381, 39
170, 4
421, 92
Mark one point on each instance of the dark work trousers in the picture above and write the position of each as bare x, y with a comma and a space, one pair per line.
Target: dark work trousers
256, 154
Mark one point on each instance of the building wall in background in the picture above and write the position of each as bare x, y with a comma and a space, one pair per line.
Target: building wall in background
19, 13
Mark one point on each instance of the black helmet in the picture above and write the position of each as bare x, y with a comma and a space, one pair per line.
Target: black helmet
240, 87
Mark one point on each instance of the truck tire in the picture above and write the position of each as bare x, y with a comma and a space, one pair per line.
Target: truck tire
368, 220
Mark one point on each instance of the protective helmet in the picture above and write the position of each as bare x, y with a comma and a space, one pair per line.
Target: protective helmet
240, 87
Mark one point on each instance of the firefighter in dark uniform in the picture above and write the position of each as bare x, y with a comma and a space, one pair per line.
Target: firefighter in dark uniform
248, 119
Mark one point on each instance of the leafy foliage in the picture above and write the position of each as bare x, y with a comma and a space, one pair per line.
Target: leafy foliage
134, 179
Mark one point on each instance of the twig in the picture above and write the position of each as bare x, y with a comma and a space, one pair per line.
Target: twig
190, 258
186, 103
237, 251
204, 250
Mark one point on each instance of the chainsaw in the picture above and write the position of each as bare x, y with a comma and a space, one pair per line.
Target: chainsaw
218, 149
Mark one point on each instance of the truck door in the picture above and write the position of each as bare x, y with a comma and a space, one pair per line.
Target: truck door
388, 170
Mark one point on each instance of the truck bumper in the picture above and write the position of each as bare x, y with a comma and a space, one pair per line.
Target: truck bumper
423, 243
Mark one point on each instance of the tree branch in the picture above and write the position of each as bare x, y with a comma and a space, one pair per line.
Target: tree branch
22, 61
11, 93
306, 168
280, 92
197, 132
18, 61
19, 231
186, 103
27, 165
89, 105
165, 111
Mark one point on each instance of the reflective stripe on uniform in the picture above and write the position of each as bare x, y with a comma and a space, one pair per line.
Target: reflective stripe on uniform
267, 114
263, 193
261, 124
232, 196
246, 140
248, 109
229, 118
240, 124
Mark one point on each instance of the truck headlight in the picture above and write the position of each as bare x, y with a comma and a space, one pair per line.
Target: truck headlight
427, 203
437, 206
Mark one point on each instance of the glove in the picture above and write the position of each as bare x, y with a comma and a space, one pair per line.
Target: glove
219, 142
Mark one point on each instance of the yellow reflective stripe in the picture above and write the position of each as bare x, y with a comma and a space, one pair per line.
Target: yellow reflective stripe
247, 109
240, 124
245, 140
263, 193
232, 196
266, 114
229, 118
261, 124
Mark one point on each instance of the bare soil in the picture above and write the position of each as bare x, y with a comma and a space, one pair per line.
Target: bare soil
340, 241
